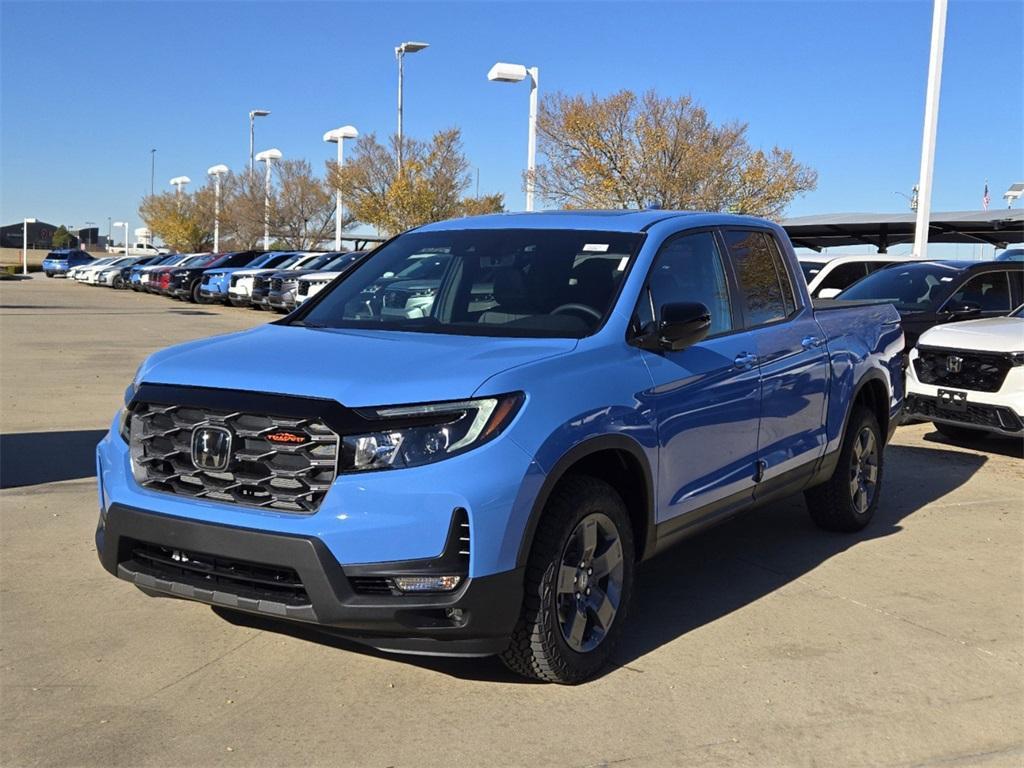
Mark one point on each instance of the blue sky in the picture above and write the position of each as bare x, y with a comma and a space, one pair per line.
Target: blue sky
87, 88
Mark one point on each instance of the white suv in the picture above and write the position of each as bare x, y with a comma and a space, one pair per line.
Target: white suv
968, 377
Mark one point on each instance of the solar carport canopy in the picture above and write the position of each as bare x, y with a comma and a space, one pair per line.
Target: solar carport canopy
995, 227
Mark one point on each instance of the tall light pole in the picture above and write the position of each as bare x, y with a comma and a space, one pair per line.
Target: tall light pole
216, 171
267, 156
178, 182
931, 120
253, 114
24, 244
400, 51
515, 73
338, 136
152, 169
125, 225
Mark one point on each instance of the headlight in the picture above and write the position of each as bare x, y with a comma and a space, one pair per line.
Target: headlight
426, 433
1017, 358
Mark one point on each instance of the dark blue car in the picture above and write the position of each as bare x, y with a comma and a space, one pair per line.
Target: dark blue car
58, 262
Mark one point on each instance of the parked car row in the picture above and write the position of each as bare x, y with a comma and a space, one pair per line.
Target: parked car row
964, 339
274, 280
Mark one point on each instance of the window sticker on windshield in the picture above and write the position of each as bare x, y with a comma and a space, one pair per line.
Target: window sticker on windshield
622, 263
946, 279
596, 247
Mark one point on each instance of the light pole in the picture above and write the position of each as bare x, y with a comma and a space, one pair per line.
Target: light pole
931, 120
24, 244
400, 51
338, 136
152, 169
253, 114
267, 156
216, 171
125, 225
514, 73
178, 182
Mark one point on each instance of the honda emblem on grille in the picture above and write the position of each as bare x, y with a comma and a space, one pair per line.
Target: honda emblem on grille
211, 448
954, 363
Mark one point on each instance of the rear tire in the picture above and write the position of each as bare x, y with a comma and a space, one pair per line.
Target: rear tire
847, 501
956, 432
578, 584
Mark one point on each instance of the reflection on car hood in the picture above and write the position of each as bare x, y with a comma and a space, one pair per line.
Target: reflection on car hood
354, 367
993, 334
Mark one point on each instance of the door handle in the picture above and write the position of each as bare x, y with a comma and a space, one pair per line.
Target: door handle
810, 342
745, 361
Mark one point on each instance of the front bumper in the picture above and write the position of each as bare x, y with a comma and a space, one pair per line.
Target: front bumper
297, 578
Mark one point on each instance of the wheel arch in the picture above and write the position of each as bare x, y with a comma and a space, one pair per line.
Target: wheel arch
615, 459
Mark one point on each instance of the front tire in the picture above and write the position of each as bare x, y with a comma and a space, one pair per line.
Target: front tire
847, 501
193, 293
579, 580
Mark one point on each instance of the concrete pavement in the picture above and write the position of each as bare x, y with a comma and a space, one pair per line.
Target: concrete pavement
764, 642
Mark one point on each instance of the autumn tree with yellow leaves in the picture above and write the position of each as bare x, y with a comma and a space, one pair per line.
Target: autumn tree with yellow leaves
630, 151
429, 187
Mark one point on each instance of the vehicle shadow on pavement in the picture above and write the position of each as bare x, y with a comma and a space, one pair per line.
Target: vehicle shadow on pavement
717, 572
33, 458
1003, 446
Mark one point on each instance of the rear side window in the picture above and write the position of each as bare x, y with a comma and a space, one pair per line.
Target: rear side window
764, 281
843, 276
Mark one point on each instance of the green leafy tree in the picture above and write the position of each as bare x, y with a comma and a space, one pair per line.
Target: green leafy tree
185, 221
630, 151
62, 237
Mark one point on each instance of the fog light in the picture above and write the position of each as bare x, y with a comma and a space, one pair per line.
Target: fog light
427, 583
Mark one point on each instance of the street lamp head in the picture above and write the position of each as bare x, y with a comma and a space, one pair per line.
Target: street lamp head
259, 112
269, 154
337, 134
217, 170
180, 180
410, 47
31, 221
507, 73
120, 224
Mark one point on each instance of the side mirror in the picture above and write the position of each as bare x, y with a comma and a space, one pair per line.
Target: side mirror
963, 309
829, 293
681, 325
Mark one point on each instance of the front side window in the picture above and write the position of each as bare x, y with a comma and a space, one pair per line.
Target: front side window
490, 282
990, 292
688, 269
764, 282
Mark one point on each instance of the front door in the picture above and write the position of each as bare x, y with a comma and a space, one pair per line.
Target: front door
706, 399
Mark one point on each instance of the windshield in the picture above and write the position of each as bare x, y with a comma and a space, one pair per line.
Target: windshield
811, 268
516, 282
319, 261
911, 288
340, 262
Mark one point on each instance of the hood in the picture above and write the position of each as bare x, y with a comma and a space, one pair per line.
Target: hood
318, 275
356, 368
290, 274
250, 272
990, 334
216, 271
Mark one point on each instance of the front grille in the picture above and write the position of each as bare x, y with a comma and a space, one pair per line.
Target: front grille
290, 475
373, 585
256, 581
994, 416
276, 283
303, 289
234, 280
396, 299
979, 371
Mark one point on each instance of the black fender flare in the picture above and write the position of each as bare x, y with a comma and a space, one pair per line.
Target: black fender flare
581, 450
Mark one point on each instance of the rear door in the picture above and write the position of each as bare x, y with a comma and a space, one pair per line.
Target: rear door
791, 353
706, 398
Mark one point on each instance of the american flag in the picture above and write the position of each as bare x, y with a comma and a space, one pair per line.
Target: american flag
985, 199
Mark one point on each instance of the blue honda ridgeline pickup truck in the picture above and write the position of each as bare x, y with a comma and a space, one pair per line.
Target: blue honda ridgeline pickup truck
476, 464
